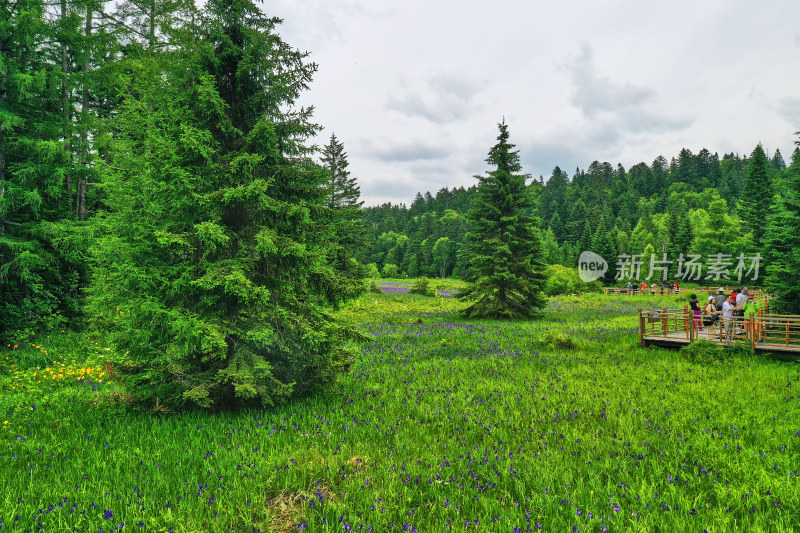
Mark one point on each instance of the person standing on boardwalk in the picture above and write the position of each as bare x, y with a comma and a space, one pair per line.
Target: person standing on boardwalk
741, 299
727, 317
698, 313
750, 310
720, 298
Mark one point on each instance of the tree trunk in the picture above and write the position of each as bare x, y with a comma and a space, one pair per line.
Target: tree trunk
81, 196
3, 98
152, 32
67, 111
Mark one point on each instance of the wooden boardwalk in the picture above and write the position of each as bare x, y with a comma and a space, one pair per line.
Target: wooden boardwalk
670, 327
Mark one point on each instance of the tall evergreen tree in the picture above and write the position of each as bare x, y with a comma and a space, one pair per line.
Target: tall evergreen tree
40, 259
777, 162
734, 170
678, 226
578, 216
685, 170
553, 197
585, 243
754, 205
782, 241
504, 271
604, 244
212, 276
641, 179
708, 168
557, 226
344, 201
343, 190
659, 175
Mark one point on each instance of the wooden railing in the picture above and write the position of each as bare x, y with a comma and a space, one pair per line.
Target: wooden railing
666, 323
649, 291
777, 330
762, 331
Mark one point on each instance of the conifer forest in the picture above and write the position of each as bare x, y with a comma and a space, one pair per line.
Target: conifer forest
204, 327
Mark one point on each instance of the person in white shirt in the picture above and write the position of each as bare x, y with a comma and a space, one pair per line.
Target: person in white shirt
727, 317
741, 299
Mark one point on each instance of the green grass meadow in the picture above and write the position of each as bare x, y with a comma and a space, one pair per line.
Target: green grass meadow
442, 424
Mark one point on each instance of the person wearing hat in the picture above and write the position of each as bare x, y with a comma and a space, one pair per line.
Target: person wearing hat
720, 298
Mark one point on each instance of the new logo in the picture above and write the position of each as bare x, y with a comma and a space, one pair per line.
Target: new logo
591, 266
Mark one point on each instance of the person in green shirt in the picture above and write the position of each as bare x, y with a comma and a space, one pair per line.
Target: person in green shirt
751, 309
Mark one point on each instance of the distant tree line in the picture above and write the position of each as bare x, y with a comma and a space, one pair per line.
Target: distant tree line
691, 205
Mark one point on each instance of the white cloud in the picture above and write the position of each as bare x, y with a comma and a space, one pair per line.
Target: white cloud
441, 98
618, 109
789, 108
414, 90
406, 151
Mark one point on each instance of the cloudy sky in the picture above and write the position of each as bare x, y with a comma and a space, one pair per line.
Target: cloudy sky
415, 89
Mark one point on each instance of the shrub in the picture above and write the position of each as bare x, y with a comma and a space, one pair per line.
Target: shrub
740, 349
558, 340
703, 352
565, 280
373, 287
390, 270
422, 286
372, 271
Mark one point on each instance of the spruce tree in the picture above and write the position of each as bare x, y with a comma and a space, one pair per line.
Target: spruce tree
754, 205
641, 179
557, 226
578, 216
782, 242
553, 196
503, 251
585, 242
343, 190
604, 244
678, 226
777, 162
212, 275
343, 201
41, 258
